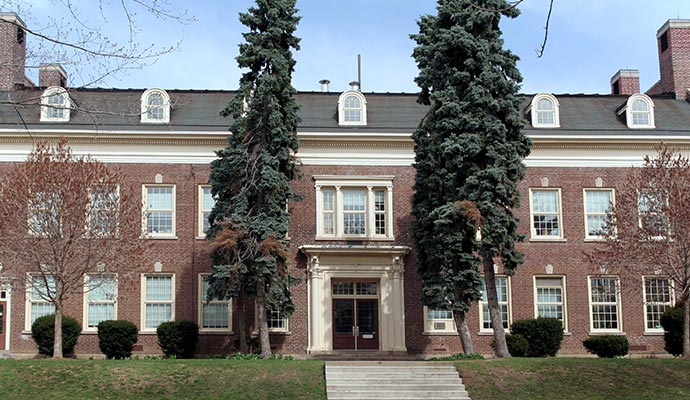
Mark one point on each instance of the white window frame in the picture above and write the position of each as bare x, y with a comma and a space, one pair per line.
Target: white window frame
629, 112
534, 109
646, 303
433, 324
564, 299
559, 214
483, 303
92, 208
146, 116
48, 108
661, 214
284, 321
368, 184
36, 206
171, 235
202, 302
617, 303
200, 204
284, 330
88, 302
145, 302
342, 108
584, 200
30, 302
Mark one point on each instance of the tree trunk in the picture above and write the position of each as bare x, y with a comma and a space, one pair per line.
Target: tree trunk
463, 331
242, 322
57, 339
686, 328
501, 347
263, 322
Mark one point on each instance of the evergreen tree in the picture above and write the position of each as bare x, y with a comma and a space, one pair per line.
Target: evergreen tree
251, 178
469, 151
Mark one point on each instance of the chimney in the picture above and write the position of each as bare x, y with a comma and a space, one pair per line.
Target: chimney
354, 85
52, 75
12, 51
673, 41
324, 85
625, 81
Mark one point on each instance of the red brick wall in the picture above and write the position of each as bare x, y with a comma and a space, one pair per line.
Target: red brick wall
674, 64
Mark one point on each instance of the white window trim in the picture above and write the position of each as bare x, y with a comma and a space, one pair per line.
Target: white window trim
200, 234
533, 233
144, 302
202, 301
341, 108
85, 317
40, 207
584, 201
509, 303
29, 301
144, 106
639, 215
366, 183
619, 311
89, 226
564, 296
144, 193
556, 111
645, 304
430, 324
255, 330
628, 110
45, 106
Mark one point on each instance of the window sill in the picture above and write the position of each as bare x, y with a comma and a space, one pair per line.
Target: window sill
149, 237
216, 332
91, 332
594, 240
200, 238
356, 238
653, 333
440, 333
548, 240
490, 333
148, 332
612, 333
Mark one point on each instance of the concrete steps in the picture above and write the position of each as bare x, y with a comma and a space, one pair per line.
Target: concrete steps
403, 380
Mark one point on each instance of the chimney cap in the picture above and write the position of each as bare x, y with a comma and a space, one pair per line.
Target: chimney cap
672, 23
324, 81
625, 73
54, 67
12, 17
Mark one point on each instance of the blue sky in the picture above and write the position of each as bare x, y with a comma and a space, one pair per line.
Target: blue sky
589, 40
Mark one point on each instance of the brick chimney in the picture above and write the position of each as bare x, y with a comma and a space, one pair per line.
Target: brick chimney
625, 81
12, 51
673, 42
52, 75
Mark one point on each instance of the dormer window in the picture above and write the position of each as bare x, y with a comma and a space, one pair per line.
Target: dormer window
155, 106
639, 112
352, 108
55, 105
544, 109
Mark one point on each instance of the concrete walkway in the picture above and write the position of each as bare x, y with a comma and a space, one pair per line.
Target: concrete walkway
402, 380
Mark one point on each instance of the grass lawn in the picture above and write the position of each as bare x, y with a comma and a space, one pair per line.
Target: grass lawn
161, 379
576, 378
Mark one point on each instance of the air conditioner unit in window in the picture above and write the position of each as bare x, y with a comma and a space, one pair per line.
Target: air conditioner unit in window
439, 326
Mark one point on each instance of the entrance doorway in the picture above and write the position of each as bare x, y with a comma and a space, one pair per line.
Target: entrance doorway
355, 315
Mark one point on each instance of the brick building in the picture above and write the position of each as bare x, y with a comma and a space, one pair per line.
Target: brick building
350, 235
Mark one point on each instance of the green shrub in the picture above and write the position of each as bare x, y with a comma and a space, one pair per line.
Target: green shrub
672, 321
518, 346
43, 333
607, 346
544, 336
178, 338
460, 356
116, 338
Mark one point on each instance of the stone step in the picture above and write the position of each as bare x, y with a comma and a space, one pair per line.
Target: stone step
392, 381
402, 375
417, 395
382, 387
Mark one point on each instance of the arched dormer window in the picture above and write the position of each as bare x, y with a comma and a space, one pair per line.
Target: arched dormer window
544, 110
639, 112
155, 106
352, 108
55, 104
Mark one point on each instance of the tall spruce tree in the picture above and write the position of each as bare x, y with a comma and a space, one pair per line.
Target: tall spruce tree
251, 178
469, 152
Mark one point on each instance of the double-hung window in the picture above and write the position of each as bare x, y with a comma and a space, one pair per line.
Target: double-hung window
276, 321
159, 219
653, 221
658, 297
44, 215
40, 291
549, 301
214, 314
100, 300
158, 295
103, 210
597, 208
604, 302
206, 203
503, 292
545, 210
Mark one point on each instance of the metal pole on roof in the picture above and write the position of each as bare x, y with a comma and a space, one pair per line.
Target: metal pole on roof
359, 71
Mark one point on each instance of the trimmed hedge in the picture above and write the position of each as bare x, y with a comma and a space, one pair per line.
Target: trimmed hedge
518, 346
43, 333
544, 336
672, 321
116, 338
178, 338
607, 346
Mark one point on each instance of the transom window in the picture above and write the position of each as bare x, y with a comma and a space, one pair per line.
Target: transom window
545, 209
155, 106
352, 108
658, 298
354, 288
55, 104
544, 110
597, 208
99, 300
158, 293
639, 111
214, 314
604, 303
503, 292
550, 299
206, 203
159, 201
40, 290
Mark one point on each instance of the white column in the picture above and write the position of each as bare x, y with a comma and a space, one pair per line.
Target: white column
315, 314
339, 212
399, 300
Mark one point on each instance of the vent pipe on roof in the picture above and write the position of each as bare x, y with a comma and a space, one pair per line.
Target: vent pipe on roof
359, 71
324, 85
354, 85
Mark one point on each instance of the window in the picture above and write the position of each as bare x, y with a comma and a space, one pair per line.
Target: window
544, 111
155, 106
39, 290
276, 321
437, 321
350, 207
653, 221
658, 297
44, 215
55, 105
103, 212
206, 203
604, 301
215, 314
597, 207
639, 111
545, 209
352, 108
158, 294
503, 292
549, 294
100, 300
159, 201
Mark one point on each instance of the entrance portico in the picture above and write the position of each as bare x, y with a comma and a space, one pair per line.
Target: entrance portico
356, 298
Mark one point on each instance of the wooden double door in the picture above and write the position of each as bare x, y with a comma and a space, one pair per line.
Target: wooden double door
356, 324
